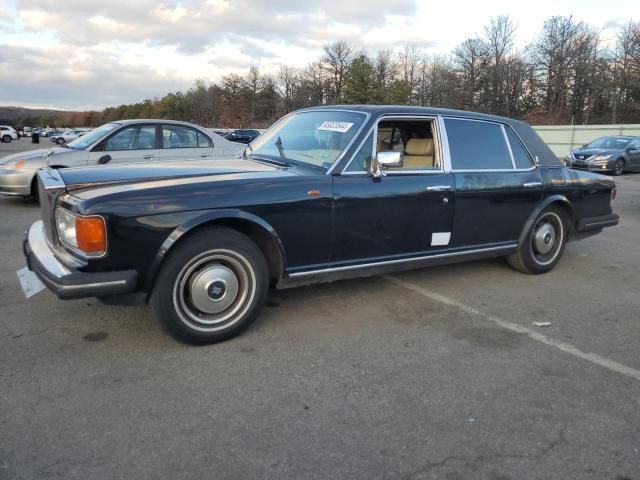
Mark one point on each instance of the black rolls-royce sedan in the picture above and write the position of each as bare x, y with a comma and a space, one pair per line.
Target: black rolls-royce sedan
325, 193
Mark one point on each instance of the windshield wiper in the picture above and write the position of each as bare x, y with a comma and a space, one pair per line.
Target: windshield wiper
281, 150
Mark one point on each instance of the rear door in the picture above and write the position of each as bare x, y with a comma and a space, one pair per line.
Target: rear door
131, 143
181, 142
497, 184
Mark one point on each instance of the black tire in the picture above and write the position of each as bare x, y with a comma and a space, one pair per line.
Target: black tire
60, 141
7, 139
35, 193
211, 287
550, 231
618, 167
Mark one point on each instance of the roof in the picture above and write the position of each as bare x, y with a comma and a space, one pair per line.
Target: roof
535, 145
408, 110
154, 120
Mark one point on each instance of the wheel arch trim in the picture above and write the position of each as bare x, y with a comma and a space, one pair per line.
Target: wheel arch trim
558, 199
215, 217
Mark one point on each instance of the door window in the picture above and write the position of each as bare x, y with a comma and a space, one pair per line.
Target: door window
414, 138
178, 136
133, 138
476, 145
203, 141
520, 155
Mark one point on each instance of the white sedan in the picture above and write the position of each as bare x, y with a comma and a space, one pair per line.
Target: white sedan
68, 135
123, 141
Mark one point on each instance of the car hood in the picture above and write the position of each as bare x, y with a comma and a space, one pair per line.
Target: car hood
175, 171
589, 152
41, 153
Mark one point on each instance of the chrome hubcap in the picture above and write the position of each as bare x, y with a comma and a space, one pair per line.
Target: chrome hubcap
214, 289
544, 238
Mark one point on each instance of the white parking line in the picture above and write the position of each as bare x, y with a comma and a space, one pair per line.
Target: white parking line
514, 327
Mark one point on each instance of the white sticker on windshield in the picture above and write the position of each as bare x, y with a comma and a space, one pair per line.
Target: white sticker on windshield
334, 126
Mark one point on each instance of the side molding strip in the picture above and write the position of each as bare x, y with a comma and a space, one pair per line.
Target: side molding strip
508, 246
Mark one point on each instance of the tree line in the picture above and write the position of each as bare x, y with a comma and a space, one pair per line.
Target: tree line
567, 74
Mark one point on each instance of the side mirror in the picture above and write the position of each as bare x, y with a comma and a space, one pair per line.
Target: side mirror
385, 159
633, 148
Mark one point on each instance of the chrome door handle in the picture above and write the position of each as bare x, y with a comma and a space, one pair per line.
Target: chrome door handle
438, 188
204, 155
148, 157
532, 184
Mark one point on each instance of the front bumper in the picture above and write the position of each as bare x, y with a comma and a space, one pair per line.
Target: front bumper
16, 182
607, 166
67, 282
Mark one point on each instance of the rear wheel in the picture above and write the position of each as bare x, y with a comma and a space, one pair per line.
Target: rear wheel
544, 243
6, 138
618, 168
211, 287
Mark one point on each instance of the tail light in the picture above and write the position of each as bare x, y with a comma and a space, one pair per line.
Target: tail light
614, 193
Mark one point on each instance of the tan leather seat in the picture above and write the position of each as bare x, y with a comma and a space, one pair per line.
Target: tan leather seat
419, 154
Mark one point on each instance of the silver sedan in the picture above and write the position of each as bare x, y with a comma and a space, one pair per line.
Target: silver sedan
124, 141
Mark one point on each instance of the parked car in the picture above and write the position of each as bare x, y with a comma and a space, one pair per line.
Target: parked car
68, 135
242, 135
124, 141
324, 194
8, 133
614, 153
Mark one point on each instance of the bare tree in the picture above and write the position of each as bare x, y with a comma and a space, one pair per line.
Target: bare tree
337, 59
287, 81
471, 58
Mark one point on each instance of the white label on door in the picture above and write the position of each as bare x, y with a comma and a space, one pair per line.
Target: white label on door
440, 238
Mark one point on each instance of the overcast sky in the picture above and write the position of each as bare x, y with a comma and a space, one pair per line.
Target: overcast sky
81, 54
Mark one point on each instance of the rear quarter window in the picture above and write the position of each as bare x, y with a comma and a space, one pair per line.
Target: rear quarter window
520, 155
477, 145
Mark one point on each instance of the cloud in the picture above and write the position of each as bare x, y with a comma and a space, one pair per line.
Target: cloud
92, 54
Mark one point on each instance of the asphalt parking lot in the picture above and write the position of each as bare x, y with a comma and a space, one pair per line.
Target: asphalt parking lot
431, 374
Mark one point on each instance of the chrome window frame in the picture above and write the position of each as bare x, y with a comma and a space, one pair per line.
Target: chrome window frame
438, 146
503, 128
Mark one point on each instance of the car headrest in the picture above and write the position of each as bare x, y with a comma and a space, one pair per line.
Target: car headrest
419, 146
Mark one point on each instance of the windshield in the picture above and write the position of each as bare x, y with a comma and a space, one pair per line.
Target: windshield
93, 136
616, 143
313, 138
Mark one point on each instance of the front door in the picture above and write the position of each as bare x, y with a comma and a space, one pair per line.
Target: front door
633, 154
132, 143
405, 213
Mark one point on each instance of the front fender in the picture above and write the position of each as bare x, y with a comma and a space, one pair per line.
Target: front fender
202, 218
560, 199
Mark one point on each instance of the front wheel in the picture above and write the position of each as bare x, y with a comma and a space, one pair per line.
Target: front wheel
544, 244
211, 287
618, 168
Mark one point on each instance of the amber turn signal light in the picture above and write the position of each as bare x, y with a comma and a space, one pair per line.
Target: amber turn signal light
91, 234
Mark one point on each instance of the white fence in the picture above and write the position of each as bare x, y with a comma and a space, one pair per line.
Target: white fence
564, 138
